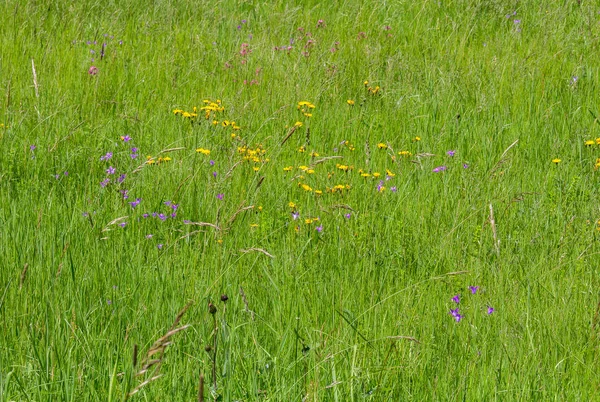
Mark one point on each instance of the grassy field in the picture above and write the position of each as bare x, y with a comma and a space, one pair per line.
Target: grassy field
312, 201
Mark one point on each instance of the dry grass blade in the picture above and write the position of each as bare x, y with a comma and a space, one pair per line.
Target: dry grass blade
494, 232
153, 365
142, 385
35, 81
231, 170
23, 275
212, 225
236, 213
260, 250
409, 338
327, 158
114, 221
341, 206
287, 137
171, 150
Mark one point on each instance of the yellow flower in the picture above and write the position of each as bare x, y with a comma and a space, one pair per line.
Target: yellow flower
376, 174
350, 102
404, 153
254, 225
314, 154
291, 205
203, 151
366, 83
256, 168
301, 149
220, 241
303, 168
306, 187
288, 168
310, 171
298, 124
166, 158
590, 142
260, 208
556, 161
318, 192
381, 145
389, 173
417, 138
365, 175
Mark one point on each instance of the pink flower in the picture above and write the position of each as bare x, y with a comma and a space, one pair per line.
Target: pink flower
93, 70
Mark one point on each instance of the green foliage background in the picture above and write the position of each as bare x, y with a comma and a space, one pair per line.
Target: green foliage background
359, 311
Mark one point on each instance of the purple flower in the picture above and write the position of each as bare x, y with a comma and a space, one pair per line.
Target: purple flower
319, 228
380, 186
85, 214
57, 176
393, 189
121, 178
214, 174
110, 170
450, 153
122, 224
104, 182
473, 289
109, 302
517, 22
167, 203
456, 299
134, 156
126, 138
134, 150
454, 313
348, 215
149, 236
295, 215
135, 203
125, 194
174, 206
220, 196
162, 217
66, 173
145, 215
174, 214
106, 157
439, 169
211, 162
159, 246
490, 310
465, 166
32, 147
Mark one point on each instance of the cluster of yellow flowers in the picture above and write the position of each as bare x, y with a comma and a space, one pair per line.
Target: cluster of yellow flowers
344, 168
372, 91
203, 151
150, 160
256, 155
305, 108
589, 143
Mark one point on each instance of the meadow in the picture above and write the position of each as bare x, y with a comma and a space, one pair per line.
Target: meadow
299, 201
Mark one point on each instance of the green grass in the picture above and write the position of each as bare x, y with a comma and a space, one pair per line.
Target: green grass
357, 311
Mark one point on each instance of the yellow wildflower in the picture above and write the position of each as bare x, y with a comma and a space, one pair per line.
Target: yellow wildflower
291, 205
590, 142
298, 124
417, 138
288, 168
203, 151
350, 102
376, 174
256, 168
318, 192
381, 145
556, 161
301, 149
306, 187
389, 173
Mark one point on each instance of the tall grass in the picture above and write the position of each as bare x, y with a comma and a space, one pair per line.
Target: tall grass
359, 309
